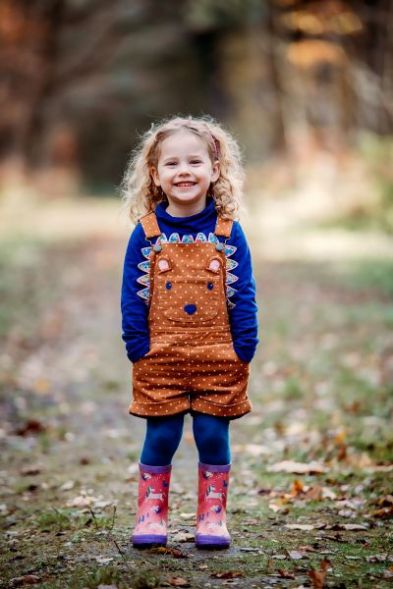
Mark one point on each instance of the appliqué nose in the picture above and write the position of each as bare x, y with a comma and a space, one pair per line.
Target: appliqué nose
190, 309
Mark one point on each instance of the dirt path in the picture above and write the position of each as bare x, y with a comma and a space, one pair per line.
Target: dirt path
320, 388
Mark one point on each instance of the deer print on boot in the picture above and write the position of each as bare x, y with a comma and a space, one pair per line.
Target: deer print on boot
213, 484
152, 515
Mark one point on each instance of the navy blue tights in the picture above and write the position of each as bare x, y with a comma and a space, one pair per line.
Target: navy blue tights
163, 435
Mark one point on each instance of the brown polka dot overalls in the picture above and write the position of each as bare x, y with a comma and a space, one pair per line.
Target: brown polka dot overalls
191, 364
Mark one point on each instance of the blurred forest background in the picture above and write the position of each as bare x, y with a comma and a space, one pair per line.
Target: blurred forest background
292, 78
306, 86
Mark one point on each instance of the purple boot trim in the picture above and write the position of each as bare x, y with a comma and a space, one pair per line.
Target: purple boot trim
155, 469
148, 540
215, 467
205, 541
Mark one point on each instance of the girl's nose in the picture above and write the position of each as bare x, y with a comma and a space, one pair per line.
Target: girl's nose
183, 167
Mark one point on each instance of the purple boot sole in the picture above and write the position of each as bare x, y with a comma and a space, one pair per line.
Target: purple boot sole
147, 540
205, 541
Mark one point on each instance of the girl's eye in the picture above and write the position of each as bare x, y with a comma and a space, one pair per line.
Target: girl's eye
210, 285
196, 161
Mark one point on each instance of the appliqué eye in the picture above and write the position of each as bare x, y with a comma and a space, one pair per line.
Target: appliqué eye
210, 285
168, 285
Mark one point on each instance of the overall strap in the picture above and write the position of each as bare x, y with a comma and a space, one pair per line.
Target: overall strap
223, 227
150, 225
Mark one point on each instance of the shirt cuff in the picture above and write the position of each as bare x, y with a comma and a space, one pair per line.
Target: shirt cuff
245, 354
136, 354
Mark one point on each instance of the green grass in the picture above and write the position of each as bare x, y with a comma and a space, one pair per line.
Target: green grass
329, 376
375, 274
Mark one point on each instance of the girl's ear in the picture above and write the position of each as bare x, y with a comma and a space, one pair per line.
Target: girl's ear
154, 175
215, 171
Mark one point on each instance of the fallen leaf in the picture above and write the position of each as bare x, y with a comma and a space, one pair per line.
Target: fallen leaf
133, 468
172, 551
227, 575
274, 507
296, 554
350, 527
67, 486
41, 386
388, 573
264, 491
256, 449
103, 559
178, 582
318, 577
379, 468
31, 470
377, 558
314, 493
384, 512
328, 493
304, 527
25, 580
81, 501
385, 501
32, 426
285, 574
188, 515
297, 467
346, 513
297, 488
307, 548
182, 537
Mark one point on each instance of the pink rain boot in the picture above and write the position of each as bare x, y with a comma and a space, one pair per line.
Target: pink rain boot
152, 516
212, 530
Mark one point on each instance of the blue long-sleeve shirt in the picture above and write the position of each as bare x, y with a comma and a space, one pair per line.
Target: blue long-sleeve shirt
242, 307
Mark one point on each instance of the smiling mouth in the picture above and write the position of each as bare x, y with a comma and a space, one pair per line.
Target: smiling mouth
185, 184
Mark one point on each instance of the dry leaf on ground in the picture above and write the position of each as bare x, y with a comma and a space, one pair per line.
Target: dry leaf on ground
297, 467
172, 551
227, 575
178, 582
25, 580
318, 577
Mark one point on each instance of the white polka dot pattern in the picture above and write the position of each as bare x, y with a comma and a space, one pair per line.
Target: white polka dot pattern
191, 363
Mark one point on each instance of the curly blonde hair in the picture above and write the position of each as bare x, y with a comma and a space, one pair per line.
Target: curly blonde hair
140, 194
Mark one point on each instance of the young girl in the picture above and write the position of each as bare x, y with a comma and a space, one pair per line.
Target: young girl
189, 314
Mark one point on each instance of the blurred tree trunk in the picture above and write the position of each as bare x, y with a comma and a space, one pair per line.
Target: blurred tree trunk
27, 40
82, 79
51, 23
375, 67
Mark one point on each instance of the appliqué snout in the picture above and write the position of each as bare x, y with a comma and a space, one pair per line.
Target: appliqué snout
190, 309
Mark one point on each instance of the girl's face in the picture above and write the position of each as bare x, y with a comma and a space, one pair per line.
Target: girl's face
185, 171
